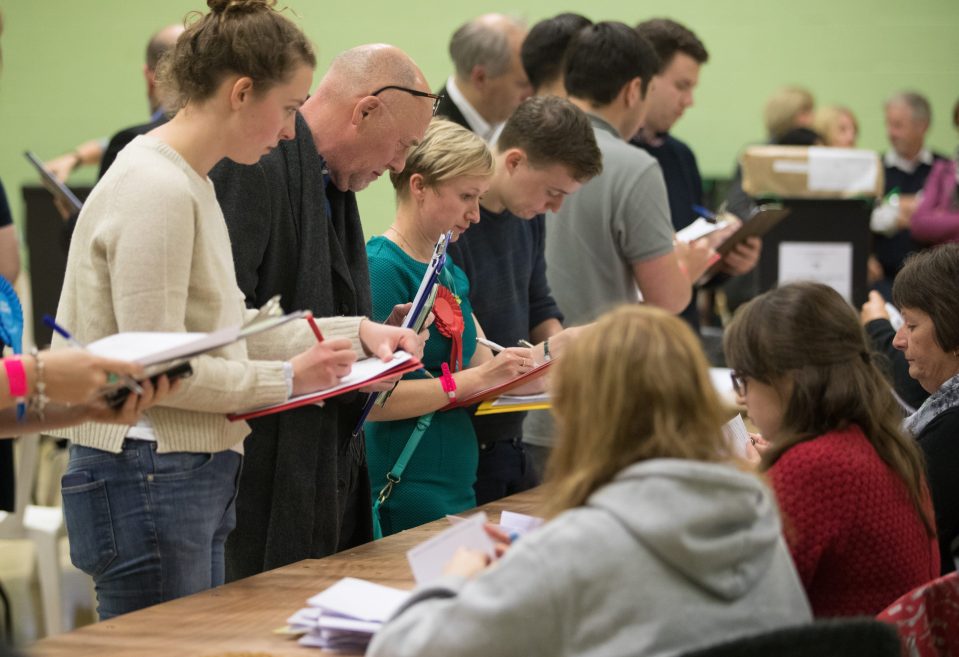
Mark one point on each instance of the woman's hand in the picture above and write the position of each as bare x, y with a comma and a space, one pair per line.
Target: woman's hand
874, 308
381, 340
507, 364
133, 406
322, 365
466, 563
74, 376
756, 448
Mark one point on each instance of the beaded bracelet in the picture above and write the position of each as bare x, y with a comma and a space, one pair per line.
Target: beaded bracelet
39, 399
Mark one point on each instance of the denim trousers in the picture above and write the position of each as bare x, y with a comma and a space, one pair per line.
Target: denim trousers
148, 527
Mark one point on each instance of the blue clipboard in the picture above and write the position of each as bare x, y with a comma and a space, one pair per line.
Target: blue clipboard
416, 317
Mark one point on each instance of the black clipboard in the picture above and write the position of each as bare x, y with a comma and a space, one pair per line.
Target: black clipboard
54, 186
763, 220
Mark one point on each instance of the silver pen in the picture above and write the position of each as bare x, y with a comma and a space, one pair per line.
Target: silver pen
492, 345
525, 343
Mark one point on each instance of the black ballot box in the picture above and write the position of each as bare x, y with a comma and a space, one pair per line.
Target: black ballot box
825, 240
47, 242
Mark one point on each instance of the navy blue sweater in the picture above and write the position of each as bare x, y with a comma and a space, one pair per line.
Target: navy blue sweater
503, 259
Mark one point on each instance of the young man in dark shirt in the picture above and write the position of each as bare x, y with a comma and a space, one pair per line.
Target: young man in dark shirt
545, 152
681, 55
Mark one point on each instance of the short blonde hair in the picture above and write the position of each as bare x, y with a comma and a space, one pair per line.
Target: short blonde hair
827, 118
634, 386
447, 151
783, 107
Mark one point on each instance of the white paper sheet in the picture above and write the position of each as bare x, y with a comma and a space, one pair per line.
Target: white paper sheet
738, 436
520, 523
428, 559
697, 229
829, 263
359, 599
518, 400
846, 170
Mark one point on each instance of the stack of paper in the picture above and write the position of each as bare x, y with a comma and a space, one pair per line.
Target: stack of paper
346, 616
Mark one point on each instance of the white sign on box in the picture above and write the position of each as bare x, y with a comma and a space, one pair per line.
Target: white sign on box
829, 263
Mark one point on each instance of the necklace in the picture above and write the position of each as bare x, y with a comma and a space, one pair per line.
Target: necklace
409, 246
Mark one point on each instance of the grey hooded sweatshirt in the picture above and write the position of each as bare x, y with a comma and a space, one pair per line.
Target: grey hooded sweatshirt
670, 556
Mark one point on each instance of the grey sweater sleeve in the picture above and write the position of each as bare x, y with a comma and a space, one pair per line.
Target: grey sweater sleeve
512, 608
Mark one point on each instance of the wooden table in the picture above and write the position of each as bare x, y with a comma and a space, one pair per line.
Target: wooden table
239, 619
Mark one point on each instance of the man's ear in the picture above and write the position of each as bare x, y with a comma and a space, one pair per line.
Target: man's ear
365, 108
633, 92
513, 158
241, 91
479, 76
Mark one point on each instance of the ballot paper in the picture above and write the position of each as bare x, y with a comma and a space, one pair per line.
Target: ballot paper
512, 523
428, 559
699, 228
346, 615
737, 435
519, 523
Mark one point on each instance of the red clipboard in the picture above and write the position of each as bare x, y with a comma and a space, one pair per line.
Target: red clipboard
496, 391
402, 367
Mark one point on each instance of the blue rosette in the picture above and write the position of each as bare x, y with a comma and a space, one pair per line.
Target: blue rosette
11, 317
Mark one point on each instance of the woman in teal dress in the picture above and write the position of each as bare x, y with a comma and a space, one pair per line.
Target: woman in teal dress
438, 191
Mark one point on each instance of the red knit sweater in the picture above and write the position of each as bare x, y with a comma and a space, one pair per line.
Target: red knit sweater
853, 532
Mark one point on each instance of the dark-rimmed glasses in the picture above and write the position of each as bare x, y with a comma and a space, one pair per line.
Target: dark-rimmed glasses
740, 381
412, 92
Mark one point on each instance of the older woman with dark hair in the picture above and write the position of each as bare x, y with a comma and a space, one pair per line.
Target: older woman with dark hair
926, 292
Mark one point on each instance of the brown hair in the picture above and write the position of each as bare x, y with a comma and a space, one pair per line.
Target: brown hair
669, 37
245, 37
929, 281
647, 395
447, 151
806, 333
550, 131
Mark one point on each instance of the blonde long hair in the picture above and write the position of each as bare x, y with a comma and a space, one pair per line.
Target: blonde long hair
634, 386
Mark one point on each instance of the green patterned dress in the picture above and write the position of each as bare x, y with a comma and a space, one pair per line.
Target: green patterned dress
439, 477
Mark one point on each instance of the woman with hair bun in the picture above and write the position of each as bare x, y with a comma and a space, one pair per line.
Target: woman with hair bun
148, 507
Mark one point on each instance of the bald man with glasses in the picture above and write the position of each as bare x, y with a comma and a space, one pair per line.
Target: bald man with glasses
295, 230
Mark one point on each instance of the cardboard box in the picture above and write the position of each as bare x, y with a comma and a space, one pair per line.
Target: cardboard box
811, 172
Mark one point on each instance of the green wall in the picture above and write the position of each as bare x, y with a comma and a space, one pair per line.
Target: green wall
71, 68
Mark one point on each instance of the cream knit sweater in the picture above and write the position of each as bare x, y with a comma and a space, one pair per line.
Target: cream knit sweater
151, 252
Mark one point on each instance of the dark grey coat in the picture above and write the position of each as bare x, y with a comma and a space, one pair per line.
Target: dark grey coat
304, 489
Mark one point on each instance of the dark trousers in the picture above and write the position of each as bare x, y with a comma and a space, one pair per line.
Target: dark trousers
503, 470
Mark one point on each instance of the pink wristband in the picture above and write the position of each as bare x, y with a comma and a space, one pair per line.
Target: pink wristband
448, 382
16, 377
17, 384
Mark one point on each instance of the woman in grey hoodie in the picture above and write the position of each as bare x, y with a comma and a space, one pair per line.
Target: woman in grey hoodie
658, 540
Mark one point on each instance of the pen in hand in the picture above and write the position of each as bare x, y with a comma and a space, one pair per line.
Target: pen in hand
129, 381
492, 345
316, 329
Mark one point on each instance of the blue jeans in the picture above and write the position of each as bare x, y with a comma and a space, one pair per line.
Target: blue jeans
148, 527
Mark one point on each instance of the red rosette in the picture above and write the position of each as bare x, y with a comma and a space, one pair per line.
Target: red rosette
449, 322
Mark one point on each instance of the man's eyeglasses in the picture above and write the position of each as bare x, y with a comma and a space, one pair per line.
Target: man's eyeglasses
739, 382
412, 92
